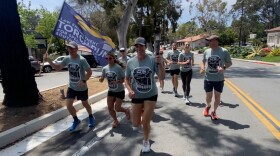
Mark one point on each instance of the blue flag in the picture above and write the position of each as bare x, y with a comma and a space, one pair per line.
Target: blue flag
71, 26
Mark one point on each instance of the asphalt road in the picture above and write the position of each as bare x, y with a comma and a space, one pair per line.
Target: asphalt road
248, 124
53, 79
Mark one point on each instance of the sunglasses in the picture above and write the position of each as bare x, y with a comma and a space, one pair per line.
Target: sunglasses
122, 51
160, 53
109, 58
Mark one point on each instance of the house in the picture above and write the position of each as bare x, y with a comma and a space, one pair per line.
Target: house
273, 37
197, 41
41, 43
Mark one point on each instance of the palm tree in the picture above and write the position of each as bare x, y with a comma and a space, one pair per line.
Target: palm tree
19, 85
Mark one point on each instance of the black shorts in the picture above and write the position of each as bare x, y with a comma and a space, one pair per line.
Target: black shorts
119, 95
216, 85
175, 72
81, 95
141, 100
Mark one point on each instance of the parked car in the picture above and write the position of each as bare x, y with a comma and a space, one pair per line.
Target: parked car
47, 68
91, 60
35, 64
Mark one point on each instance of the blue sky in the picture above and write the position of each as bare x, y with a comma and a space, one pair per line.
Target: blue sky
52, 5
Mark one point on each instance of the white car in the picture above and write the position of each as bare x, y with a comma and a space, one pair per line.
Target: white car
47, 68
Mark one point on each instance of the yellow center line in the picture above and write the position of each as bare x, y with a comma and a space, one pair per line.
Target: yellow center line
269, 126
273, 119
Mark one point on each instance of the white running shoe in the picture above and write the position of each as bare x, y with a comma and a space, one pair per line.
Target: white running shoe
146, 146
187, 101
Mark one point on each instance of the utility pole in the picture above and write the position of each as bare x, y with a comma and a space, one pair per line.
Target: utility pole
241, 22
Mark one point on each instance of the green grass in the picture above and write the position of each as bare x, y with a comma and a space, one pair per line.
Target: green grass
271, 59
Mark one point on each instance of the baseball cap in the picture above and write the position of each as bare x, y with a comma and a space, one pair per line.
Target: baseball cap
72, 44
140, 40
122, 49
212, 37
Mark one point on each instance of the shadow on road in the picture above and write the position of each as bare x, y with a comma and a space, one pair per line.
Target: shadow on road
230, 124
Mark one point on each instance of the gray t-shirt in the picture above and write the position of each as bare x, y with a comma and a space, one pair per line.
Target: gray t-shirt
213, 59
184, 57
76, 68
142, 76
123, 60
173, 56
113, 73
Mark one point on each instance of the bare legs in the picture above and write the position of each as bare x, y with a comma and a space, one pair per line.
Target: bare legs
149, 107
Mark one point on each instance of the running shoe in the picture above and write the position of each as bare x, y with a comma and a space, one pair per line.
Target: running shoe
146, 146
91, 122
206, 111
187, 101
176, 94
214, 116
74, 125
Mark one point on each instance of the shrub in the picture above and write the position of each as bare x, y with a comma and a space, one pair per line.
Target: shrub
239, 52
274, 52
256, 51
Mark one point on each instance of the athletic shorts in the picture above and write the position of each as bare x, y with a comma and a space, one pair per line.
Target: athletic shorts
119, 95
80, 95
175, 72
141, 100
216, 85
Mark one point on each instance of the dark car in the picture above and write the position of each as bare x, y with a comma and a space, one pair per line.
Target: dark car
35, 64
91, 60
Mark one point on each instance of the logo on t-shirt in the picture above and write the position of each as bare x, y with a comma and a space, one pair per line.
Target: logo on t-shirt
142, 76
188, 65
74, 72
174, 58
111, 77
213, 63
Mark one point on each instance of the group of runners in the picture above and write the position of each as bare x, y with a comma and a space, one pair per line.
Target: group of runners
137, 75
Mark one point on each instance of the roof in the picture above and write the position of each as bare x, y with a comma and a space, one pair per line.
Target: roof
193, 38
276, 29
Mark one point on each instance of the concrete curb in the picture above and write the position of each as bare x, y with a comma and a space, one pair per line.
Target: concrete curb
259, 62
23, 130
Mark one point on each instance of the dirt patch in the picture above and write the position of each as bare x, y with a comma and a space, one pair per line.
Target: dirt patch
12, 117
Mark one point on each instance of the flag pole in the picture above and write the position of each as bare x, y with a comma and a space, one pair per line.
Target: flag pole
48, 47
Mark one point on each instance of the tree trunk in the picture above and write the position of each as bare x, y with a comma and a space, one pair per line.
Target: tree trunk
19, 85
124, 23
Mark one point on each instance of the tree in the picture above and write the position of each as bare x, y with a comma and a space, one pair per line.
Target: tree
19, 86
29, 20
46, 26
119, 22
209, 11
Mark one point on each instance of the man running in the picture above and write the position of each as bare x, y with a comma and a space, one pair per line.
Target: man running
215, 61
172, 59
